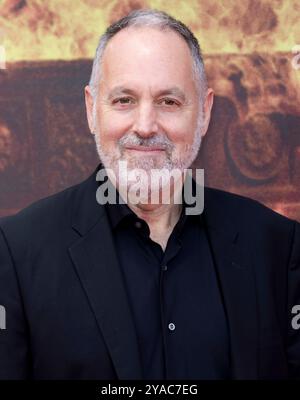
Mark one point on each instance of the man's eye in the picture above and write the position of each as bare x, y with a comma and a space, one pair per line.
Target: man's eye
169, 102
123, 100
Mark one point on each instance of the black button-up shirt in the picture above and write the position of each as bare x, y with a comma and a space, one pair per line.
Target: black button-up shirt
174, 296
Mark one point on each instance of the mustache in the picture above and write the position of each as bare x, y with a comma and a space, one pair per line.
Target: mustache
159, 140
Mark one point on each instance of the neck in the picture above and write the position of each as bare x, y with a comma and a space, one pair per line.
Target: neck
161, 220
159, 217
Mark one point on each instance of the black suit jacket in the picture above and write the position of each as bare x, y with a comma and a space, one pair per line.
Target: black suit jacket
67, 313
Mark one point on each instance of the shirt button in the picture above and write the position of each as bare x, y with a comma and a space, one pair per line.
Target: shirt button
164, 267
138, 224
171, 326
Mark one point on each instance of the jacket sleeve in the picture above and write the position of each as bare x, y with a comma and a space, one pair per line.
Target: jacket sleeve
293, 346
14, 348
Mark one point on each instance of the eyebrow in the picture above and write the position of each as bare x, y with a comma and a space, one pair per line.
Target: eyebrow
121, 90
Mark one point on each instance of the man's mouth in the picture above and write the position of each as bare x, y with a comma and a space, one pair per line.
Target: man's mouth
145, 148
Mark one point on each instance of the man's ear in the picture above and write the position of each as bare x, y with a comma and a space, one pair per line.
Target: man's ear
89, 105
207, 107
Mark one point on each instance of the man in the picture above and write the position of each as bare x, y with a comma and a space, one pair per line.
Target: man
144, 290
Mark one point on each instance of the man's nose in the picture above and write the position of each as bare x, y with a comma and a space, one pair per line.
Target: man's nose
145, 123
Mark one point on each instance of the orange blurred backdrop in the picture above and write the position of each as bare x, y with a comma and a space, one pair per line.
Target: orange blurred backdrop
252, 55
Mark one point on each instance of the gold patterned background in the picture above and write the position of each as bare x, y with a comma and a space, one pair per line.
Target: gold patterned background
252, 55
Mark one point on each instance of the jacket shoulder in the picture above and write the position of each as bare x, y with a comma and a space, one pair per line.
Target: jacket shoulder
44, 215
244, 210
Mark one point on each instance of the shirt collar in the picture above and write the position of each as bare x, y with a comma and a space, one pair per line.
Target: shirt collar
120, 212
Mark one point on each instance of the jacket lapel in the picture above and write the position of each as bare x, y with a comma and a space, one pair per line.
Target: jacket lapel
236, 277
95, 261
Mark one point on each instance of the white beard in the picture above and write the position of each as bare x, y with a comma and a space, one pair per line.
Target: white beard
147, 163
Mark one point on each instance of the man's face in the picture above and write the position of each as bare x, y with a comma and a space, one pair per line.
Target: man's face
147, 111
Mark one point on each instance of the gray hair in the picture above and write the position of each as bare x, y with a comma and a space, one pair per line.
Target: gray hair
160, 20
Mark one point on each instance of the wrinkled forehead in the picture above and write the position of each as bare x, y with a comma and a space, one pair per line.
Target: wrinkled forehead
147, 53
141, 37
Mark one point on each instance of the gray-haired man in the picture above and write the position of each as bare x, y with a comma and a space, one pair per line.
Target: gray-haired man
144, 290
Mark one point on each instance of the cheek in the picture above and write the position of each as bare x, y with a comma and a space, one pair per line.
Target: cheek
112, 127
180, 130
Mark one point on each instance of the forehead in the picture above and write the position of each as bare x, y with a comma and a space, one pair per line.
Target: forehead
147, 55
